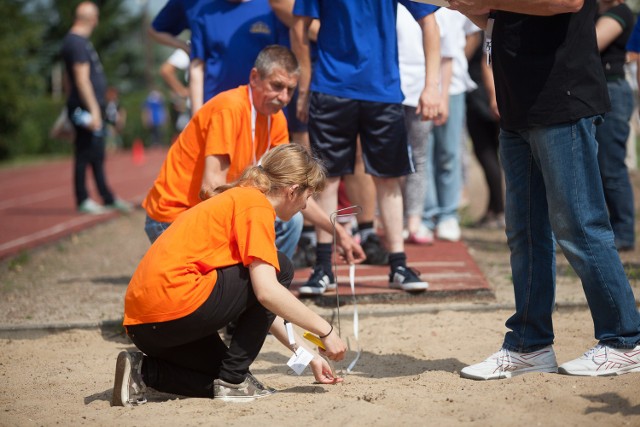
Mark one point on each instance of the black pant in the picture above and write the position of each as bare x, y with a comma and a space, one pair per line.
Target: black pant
185, 355
484, 132
89, 151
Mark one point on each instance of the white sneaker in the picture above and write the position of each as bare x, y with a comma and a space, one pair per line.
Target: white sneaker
91, 207
507, 364
603, 360
449, 229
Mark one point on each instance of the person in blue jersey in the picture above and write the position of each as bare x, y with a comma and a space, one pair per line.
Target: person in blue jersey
355, 90
175, 17
552, 93
226, 37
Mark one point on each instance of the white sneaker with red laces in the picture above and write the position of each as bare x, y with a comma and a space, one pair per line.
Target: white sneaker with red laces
506, 364
603, 360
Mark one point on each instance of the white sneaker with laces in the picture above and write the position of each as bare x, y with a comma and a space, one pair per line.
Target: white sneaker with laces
603, 360
506, 364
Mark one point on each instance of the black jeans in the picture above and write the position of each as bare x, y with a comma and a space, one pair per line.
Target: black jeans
89, 151
185, 355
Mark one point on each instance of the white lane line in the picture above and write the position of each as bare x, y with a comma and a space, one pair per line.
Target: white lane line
31, 198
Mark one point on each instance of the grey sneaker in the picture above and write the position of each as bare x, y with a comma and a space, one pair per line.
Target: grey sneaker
120, 205
91, 207
248, 390
128, 387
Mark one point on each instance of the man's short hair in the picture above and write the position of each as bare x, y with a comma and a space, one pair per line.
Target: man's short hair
274, 56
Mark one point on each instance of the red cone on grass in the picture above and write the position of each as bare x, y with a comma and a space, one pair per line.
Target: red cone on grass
137, 151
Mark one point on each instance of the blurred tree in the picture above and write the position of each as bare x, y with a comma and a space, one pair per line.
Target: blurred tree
31, 33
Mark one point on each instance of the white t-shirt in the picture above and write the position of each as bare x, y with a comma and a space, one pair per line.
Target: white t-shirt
454, 27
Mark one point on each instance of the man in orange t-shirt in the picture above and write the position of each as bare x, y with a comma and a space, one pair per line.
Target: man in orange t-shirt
230, 132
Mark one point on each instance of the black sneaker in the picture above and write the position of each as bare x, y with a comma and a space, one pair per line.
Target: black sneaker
407, 279
305, 254
128, 387
375, 252
248, 390
319, 282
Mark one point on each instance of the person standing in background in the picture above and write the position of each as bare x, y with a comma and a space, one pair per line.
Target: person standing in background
175, 64
614, 23
444, 149
484, 127
154, 116
86, 102
551, 94
355, 90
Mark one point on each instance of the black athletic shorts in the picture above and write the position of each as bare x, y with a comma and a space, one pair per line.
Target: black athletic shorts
334, 124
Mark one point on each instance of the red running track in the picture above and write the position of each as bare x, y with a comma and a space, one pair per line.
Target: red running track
37, 205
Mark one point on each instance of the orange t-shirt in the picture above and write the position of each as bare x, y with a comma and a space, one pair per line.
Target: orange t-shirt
221, 127
178, 272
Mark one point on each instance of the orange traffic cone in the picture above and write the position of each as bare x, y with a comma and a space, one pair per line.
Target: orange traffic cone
137, 152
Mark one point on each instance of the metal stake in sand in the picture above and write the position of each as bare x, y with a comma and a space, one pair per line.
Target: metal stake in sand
343, 213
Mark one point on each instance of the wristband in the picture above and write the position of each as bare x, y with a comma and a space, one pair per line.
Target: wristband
328, 333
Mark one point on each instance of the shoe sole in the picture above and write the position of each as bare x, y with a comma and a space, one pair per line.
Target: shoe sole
240, 399
621, 371
509, 374
312, 290
411, 288
120, 395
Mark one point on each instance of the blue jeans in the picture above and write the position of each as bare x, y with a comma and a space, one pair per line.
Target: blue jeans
444, 166
553, 188
612, 149
287, 233
154, 228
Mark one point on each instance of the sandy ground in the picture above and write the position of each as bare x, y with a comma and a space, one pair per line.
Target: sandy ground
57, 367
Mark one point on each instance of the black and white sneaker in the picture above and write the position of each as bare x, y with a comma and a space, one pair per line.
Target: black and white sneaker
319, 282
374, 250
407, 279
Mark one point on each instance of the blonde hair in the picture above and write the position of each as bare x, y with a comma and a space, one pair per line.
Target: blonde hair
281, 167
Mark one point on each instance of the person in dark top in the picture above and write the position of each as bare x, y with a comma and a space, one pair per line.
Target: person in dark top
613, 28
86, 108
551, 94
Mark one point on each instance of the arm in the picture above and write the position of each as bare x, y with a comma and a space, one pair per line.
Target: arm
607, 30
168, 74
283, 10
490, 87
446, 71
300, 47
81, 71
168, 39
528, 7
430, 97
352, 251
215, 174
196, 84
277, 299
319, 366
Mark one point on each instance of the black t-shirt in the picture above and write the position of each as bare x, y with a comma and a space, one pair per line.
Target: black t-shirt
547, 68
77, 49
614, 56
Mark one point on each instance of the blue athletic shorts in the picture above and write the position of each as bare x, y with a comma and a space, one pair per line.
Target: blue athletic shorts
335, 123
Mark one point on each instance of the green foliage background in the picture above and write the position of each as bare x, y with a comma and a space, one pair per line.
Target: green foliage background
31, 32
